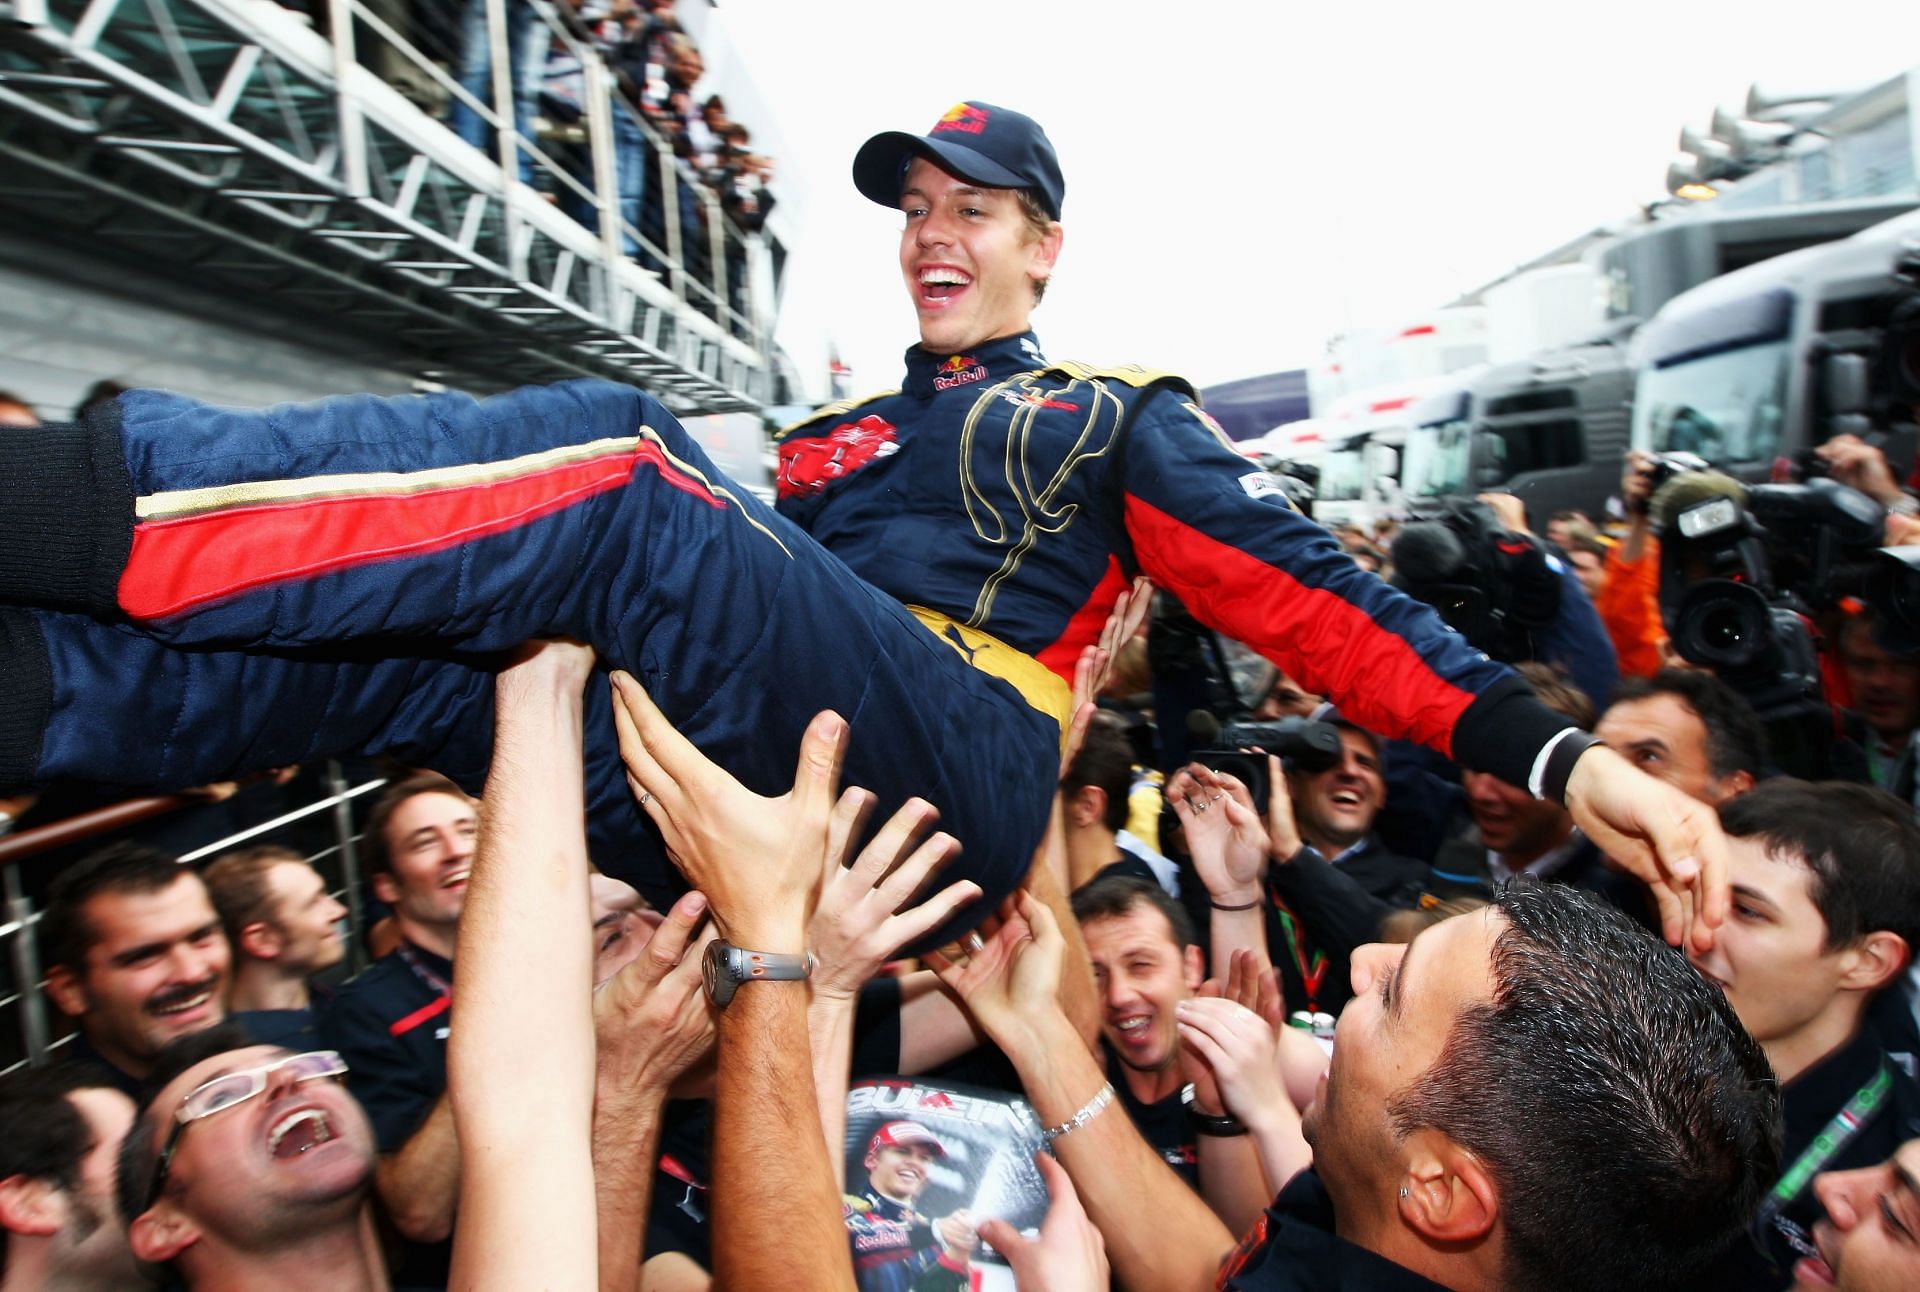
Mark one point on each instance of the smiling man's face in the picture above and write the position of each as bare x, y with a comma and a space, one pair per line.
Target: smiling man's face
430, 840
1870, 1240
298, 1154
900, 1171
969, 259
157, 970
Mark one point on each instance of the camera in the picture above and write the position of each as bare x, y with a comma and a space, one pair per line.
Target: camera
1298, 742
1492, 586
1742, 569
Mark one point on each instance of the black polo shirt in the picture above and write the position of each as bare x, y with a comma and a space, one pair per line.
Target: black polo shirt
80, 1053
1294, 1248
390, 1025
1163, 1124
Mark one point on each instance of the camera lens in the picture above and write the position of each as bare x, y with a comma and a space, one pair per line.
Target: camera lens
1722, 625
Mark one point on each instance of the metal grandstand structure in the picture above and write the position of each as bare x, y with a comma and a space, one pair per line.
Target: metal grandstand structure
230, 142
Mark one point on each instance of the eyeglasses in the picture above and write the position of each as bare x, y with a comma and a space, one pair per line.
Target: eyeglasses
232, 1088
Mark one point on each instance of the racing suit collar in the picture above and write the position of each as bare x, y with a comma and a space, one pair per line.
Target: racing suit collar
930, 374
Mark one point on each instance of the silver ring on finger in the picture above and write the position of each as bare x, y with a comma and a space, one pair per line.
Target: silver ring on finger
1202, 806
974, 944
645, 798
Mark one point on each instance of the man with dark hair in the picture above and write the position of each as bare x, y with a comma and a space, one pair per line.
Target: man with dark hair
251, 1167
1866, 1243
1691, 730
390, 1023
1537, 1095
283, 926
59, 1137
135, 955
1094, 797
1886, 702
1826, 916
1146, 960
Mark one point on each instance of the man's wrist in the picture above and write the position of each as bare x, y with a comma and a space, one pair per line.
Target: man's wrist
1234, 897
769, 934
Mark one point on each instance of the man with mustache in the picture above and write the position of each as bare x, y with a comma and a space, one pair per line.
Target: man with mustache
136, 956
390, 1023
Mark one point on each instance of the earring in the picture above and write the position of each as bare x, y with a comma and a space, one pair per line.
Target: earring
1406, 1193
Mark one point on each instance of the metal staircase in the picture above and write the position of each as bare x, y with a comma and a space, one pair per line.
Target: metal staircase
233, 145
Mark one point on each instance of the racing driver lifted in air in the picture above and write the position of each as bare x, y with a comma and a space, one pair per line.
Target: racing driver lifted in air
193, 591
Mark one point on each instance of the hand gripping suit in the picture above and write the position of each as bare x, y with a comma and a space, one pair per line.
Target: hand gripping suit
197, 591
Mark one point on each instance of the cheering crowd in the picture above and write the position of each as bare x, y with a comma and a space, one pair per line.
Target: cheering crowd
1483, 977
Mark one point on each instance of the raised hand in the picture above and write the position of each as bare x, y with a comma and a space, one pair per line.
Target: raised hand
1095, 665
1069, 1255
1223, 831
758, 860
866, 910
651, 1020
1009, 972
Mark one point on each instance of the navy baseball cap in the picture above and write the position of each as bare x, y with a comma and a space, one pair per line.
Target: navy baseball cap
996, 147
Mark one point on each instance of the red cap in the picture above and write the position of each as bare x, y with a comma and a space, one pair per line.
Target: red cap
903, 1135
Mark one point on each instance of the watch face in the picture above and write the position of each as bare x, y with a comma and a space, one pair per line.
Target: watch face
713, 969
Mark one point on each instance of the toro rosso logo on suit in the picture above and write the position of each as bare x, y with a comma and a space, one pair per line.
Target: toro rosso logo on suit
810, 465
960, 370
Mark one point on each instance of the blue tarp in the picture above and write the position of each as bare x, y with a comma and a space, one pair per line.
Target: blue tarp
1255, 405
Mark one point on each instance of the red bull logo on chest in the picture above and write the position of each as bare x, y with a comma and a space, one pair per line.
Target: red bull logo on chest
960, 370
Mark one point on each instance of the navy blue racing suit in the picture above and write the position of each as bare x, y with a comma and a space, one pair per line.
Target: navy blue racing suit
199, 591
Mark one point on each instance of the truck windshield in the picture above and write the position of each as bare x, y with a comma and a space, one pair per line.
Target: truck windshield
1438, 459
1726, 407
1343, 474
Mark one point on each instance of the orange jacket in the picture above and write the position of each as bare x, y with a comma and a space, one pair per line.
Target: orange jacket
1629, 605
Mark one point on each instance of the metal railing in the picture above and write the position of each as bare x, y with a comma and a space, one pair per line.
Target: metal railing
229, 135
22, 991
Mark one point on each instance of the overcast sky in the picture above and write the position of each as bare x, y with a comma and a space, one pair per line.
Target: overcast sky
1245, 177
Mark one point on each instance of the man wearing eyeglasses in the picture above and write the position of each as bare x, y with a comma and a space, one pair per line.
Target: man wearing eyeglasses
252, 1168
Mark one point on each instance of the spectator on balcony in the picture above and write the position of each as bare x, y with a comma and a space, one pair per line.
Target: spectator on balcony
136, 957
15, 411
283, 926
59, 1137
527, 40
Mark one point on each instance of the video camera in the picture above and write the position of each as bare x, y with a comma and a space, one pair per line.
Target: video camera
1742, 569
1298, 742
1493, 586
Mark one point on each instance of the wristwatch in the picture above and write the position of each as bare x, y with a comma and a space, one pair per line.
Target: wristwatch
726, 966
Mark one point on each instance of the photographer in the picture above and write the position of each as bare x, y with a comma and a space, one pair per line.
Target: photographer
1493, 580
1330, 880
1629, 596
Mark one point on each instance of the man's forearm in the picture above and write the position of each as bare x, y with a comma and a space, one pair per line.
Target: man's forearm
420, 1184
830, 1031
1232, 1181
626, 1140
776, 1213
1046, 880
1159, 1234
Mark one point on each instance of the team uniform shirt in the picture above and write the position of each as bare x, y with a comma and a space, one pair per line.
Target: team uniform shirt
1293, 1248
1163, 1124
390, 1024
1015, 498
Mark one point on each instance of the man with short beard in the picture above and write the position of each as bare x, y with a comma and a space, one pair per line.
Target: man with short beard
390, 1023
136, 957
251, 1167
59, 1137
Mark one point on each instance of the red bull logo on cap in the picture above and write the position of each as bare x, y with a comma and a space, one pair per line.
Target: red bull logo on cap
963, 117
960, 370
